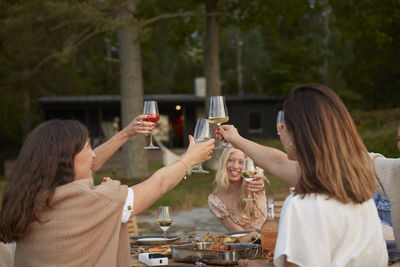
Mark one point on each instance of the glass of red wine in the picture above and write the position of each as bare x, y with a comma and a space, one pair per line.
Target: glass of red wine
150, 109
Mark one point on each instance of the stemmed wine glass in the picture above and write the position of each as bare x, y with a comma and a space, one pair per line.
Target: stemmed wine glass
164, 219
218, 113
201, 134
248, 172
150, 109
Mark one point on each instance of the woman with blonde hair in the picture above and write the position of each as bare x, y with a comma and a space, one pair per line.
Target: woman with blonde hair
227, 202
331, 218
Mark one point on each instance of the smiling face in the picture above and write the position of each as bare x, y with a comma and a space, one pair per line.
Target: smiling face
234, 166
83, 162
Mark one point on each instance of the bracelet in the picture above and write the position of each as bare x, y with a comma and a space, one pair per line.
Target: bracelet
185, 166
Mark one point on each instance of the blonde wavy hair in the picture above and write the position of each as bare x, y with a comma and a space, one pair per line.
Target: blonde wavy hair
221, 184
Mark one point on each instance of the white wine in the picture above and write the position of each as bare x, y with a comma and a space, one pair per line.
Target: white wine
216, 120
248, 174
165, 224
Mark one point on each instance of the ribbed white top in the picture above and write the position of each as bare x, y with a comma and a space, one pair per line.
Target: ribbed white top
388, 172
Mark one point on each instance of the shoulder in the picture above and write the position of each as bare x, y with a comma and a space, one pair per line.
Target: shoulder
217, 206
113, 190
214, 199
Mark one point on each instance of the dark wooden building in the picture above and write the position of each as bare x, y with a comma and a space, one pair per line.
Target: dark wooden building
253, 115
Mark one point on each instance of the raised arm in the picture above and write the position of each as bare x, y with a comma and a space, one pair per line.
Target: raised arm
270, 159
163, 180
107, 149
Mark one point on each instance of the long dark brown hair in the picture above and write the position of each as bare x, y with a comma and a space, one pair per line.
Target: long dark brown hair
330, 152
46, 160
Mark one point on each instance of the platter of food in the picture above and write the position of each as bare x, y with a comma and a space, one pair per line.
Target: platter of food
215, 252
157, 249
232, 237
238, 234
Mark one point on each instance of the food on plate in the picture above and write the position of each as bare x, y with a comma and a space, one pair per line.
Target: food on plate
247, 238
218, 246
159, 249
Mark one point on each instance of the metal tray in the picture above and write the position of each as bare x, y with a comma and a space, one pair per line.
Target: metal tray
196, 252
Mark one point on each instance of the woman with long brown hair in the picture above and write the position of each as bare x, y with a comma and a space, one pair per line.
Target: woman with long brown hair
58, 217
227, 202
330, 219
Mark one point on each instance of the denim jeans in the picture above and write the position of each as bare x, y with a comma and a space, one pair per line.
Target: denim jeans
393, 251
383, 207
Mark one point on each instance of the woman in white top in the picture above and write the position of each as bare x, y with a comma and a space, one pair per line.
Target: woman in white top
330, 219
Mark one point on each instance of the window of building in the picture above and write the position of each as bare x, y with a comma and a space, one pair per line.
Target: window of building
255, 122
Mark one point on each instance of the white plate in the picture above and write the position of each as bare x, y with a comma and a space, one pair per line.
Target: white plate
151, 240
238, 235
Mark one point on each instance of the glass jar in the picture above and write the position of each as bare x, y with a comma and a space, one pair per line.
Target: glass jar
269, 232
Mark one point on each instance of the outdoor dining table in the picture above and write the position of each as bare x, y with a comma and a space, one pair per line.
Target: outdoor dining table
172, 262
135, 263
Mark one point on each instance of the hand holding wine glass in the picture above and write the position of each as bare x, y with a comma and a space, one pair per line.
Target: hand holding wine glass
164, 219
248, 172
201, 134
218, 113
150, 109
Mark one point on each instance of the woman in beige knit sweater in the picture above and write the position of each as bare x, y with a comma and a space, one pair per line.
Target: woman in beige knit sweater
58, 217
387, 171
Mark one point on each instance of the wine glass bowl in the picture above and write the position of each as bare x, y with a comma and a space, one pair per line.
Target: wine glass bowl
248, 173
164, 219
218, 113
201, 134
150, 108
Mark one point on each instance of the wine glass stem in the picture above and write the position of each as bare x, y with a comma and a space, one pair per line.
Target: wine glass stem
165, 237
151, 138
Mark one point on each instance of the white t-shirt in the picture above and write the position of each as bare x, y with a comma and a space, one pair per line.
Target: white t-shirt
314, 231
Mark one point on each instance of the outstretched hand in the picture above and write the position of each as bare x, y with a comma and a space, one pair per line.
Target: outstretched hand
226, 133
139, 125
198, 152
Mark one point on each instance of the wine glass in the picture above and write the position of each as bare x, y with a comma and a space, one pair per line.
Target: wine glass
201, 134
218, 113
164, 219
150, 109
248, 172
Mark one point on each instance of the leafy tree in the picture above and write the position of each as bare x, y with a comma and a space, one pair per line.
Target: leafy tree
372, 29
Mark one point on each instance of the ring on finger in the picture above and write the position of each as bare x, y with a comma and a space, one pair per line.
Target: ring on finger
139, 123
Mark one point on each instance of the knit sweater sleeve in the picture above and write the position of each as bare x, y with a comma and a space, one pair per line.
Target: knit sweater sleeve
82, 228
387, 171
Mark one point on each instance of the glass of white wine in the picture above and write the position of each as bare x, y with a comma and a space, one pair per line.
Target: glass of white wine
218, 113
248, 172
164, 220
201, 134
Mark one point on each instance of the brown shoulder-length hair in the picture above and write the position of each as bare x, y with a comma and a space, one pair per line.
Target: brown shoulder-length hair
46, 160
330, 152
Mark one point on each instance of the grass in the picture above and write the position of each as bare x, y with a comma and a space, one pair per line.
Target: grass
378, 129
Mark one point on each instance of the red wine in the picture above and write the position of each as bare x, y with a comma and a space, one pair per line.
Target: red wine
152, 117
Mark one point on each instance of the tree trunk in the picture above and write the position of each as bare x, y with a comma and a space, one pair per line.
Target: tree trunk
211, 53
134, 157
211, 68
325, 67
239, 44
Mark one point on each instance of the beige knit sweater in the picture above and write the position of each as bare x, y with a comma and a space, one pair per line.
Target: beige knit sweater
388, 172
82, 229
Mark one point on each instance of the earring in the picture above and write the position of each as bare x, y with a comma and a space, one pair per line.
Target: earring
291, 143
